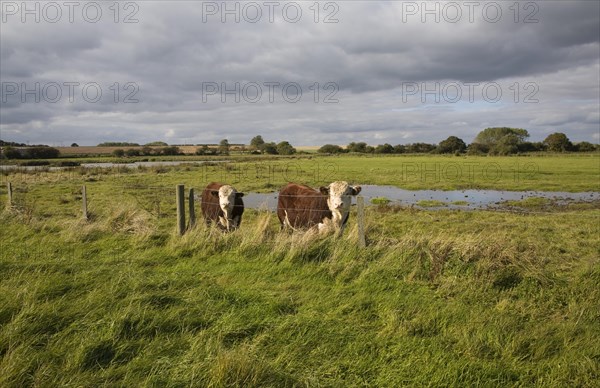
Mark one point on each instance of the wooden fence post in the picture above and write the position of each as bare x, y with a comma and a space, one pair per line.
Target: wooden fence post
84, 202
10, 198
360, 202
181, 209
191, 209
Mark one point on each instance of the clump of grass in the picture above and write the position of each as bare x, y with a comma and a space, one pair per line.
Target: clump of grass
459, 203
380, 201
530, 203
431, 203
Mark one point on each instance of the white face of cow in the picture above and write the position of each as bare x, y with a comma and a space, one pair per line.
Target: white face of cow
227, 195
339, 198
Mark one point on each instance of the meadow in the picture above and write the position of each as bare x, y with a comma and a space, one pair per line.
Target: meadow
437, 298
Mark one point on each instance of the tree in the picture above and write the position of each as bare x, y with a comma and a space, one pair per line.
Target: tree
491, 136
173, 150
119, 153
157, 144
285, 148
507, 145
585, 146
451, 145
330, 149
360, 147
558, 142
74, 145
477, 149
420, 148
399, 149
12, 153
270, 148
44, 152
384, 149
257, 144
147, 150
132, 152
224, 147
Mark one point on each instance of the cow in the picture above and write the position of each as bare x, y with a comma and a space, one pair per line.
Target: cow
300, 206
223, 205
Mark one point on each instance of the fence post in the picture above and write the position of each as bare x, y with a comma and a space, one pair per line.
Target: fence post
360, 202
181, 209
191, 209
84, 202
10, 198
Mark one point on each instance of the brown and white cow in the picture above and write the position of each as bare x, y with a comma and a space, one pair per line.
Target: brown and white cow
223, 205
300, 206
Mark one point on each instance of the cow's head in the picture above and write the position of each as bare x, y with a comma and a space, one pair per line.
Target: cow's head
339, 199
227, 195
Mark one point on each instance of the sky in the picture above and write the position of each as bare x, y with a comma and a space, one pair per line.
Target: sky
311, 73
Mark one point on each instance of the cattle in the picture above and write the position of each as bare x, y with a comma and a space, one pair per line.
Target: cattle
301, 206
222, 205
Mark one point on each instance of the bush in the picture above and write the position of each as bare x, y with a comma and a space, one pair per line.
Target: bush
119, 153
330, 149
132, 152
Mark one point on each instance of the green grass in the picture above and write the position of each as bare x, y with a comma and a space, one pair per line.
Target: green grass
573, 173
442, 298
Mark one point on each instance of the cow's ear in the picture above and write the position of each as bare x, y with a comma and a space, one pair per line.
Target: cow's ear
239, 195
214, 193
356, 190
324, 190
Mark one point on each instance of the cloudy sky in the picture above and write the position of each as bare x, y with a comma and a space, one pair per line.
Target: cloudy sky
310, 73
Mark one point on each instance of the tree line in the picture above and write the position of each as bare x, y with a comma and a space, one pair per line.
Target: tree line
490, 141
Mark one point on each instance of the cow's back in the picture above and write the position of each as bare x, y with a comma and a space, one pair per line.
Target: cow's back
303, 206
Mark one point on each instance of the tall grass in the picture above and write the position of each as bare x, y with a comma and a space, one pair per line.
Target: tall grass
437, 298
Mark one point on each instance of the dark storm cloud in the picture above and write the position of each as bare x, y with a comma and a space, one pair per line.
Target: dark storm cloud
371, 53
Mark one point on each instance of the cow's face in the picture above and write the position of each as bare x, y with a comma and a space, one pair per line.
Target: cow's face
227, 195
339, 198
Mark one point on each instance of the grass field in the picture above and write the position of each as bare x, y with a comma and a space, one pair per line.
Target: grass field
438, 298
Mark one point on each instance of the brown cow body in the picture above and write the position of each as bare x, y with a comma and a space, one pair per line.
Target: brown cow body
300, 206
223, 205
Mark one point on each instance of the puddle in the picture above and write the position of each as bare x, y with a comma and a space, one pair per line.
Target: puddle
437, 199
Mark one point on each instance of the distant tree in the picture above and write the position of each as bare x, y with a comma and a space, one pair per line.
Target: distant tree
172, 150
507, 145
12, 153
257, 144
477, 149
146, 150
399, 149
584, 146
558, 142
157, 144
360, 147
74, 145
224, 147
420, 148
330, 149
132, 152
451, 145
384, 149
491, 136
285, 148
117, 144
119, 153
270, 148
43, 152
